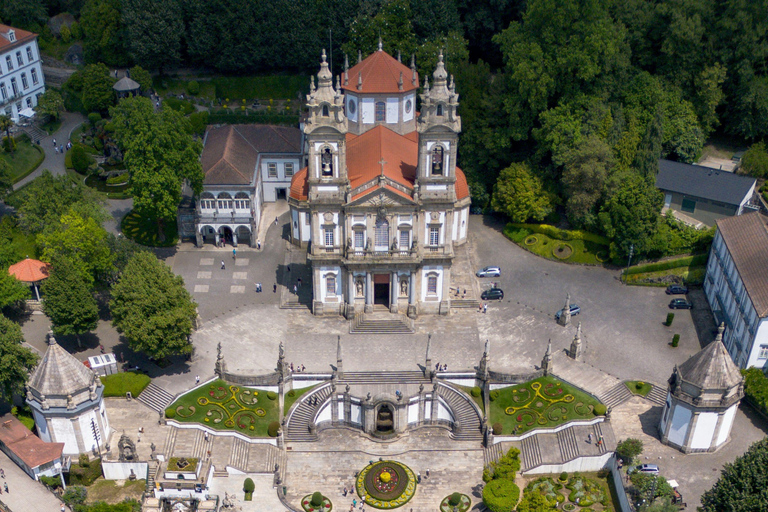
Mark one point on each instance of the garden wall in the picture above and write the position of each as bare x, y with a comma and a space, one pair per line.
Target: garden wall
122, 470
618, 484
510, 439
223, 433
501, 380
578, 464
270, 379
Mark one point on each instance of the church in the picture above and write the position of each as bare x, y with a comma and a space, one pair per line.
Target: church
381, 204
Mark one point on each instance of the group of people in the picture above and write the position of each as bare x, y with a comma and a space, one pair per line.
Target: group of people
441, 367
60, 148
299, 368
5, 484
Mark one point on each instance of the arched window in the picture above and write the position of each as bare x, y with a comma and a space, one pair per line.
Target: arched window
225, 201
439, 109
207, 201
381, 235
437, 161
325, 111
330, 284
327, 162
242, 201
381, 111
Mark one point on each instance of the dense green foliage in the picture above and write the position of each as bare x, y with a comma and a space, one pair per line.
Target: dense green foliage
743, 484
12, 291
69, 302
629, 449
501, 495
16, 361
756, 388
755, 161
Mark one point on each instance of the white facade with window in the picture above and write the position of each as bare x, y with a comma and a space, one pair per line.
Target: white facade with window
21, 74
736, 287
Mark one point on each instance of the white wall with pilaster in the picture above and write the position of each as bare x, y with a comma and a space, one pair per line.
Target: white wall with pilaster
725, 428
704, 431
64, 432
681, 419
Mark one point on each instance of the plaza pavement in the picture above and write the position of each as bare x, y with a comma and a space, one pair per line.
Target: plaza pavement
25, 494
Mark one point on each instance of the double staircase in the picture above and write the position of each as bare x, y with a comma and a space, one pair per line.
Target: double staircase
303, 414
381, 323
155, 397
554, 448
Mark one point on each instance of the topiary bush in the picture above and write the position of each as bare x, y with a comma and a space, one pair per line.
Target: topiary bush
271, 395
675, 340
600, 410
497, 429
317, 499
563, 476
476, 391
291, 393
94, 117
493, 395
193, 88
248, 485
670, 317
170, 413
80, 159
501, 495
272, 428
455, 499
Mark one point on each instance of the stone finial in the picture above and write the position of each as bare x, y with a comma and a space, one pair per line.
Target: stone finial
70, 402
399, 59
720, 330
575, 351
413, 70
400, 82
346, 69
359, 56
546, 362
487, 349
426, 86
381, 44
565, 313
312, 84
359, 81
338, 85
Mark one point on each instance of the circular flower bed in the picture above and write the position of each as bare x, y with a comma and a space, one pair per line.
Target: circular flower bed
386, 484
531, 240
562, 251
602, 256
324, 506
462, 506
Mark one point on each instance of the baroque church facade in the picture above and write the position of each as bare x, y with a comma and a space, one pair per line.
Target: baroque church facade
381, 205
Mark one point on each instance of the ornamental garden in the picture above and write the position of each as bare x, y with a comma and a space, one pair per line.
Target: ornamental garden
545, 402
222, 406
577, 492
386, 484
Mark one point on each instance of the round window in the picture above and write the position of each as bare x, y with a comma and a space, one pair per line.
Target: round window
408, 105
352, 107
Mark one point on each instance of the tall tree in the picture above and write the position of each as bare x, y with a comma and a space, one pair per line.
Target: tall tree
50, 104
142, 77
161, 155
6, 123
100, 22
16, 361
631, 216
68, 300
151, 307
392, 24
743, 484
153, 29
585, 171
98, 95
519, 195
649, 150
29, 14
6, 182
12, 291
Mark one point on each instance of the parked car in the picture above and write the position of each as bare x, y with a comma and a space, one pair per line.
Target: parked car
676, 289
651, 469
680, 304
489, 272
575, 310
492, 294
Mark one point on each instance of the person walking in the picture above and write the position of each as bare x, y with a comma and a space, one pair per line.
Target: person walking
274, 288
234, 253
485, 308
589, 438
54, 143
5, 486
223, 267
275, 221
258, 244
295, 289
197, 380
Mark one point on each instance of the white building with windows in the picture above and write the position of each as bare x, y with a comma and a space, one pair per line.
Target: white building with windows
21, 74
381, 204
244, 166
736, 286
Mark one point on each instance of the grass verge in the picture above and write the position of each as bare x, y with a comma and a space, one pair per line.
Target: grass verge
25, 159
638, 387
119, 384
277, 87
688, 269
144, 231
577, 247
545, 402
477, 399
83, 475
290, 400
110, 492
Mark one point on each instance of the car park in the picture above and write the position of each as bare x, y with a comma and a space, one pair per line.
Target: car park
492, 294
489, 272
575, 310
676, 289
680, 304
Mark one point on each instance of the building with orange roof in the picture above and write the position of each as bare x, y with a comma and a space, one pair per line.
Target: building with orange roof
380, 205
33, 455
21, 74
30, 271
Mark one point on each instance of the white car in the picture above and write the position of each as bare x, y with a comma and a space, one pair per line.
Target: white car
489, 272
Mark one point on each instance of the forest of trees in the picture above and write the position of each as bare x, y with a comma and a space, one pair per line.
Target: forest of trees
587, 94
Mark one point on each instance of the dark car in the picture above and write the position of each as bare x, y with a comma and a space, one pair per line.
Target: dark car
676, 289
680, 304
575, 310
492, 294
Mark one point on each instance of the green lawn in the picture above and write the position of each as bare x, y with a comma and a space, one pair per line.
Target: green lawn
165, 85
541, 403
590, 250
290, 400
276, 87
24, 160
638, 387
52, 126
119, 384
478, 399
144, 231
224, 406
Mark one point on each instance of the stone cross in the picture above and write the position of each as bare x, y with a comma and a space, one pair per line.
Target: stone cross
382, 163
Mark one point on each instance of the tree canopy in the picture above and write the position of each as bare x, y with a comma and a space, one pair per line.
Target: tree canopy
519, 195
743, 484
16, 361
69, 302
50, 104
151, 307
12, 291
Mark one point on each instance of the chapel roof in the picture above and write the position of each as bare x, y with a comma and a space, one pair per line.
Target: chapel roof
32, 450
711, 368
232, 151
380, 73
60, 373
29, 270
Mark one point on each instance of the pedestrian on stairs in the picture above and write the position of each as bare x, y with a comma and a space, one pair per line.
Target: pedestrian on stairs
589, 438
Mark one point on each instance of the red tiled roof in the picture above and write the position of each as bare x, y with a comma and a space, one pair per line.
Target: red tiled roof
32, 450
300, 185
375, 190
22, 37
29, 271
381, 74
365, 151
462, 189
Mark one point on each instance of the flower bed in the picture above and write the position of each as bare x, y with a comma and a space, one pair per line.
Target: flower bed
462, 506
226, 407
386, 484
325, 504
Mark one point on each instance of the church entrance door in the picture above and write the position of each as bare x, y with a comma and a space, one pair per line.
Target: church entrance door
381, 289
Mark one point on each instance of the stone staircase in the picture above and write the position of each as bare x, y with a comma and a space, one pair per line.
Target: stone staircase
465, 412
35, 133
292, 301
221, 452
565, 445
657, 395
401, 377
617, 395
303, 413
170, 442
492, 454
152, 466
566, 440
380, 323
465, 304
530, 453
238, 456
155, 397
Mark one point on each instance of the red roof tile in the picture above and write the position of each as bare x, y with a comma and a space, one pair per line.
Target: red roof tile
22, 37
462, 189
32, 450
364, 153
381, 74
300, 186
29, 271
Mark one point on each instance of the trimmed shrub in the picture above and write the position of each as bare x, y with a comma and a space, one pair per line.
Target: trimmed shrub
687, 261
501, 495
248, 485
75, 495
272, 428
93, 118
563, 476
600, 410
80, 159
51, 481
675, 340
292, 393
83, 460
497, 429
317, 499
476, 391
271, 395
493, 395
670, 317
230, 118
193, 88
564, 234
455, 499
639, 385
170, 413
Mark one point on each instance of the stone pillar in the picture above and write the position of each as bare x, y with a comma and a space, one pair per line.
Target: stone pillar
339, 362
350, 295
334, 405
546, 362
445, 295
252, 237
720, 416
435, 394
565, 313
575, 352
686, 447
412, 296
422, 403
216, 237
368, 292
347, 406
198, 239
234, 238
393, 292
428, 360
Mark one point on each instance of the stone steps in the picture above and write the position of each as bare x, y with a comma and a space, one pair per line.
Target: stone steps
238, 457
35, 133
220, 454
303, 413
152, 466
617, 395
465, 413
530, 453
569, 447
155, 397
170, 442
400, 377
389, 324
492, 454
465, 304
657, 395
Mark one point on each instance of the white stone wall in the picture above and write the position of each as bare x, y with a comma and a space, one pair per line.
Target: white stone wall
681, 419
122, 470
64, 432
725, 428
704, 432
27, 97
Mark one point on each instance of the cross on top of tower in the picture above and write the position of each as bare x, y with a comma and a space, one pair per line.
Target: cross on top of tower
382, 162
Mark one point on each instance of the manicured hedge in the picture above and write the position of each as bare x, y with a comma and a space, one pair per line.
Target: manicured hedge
501, 495
756, 388
688, 261
564, 234
120, 383
223, 118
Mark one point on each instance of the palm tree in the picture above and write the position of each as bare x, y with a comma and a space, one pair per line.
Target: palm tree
5, 124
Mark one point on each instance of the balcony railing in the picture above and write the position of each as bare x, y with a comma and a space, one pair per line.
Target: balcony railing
10, 99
